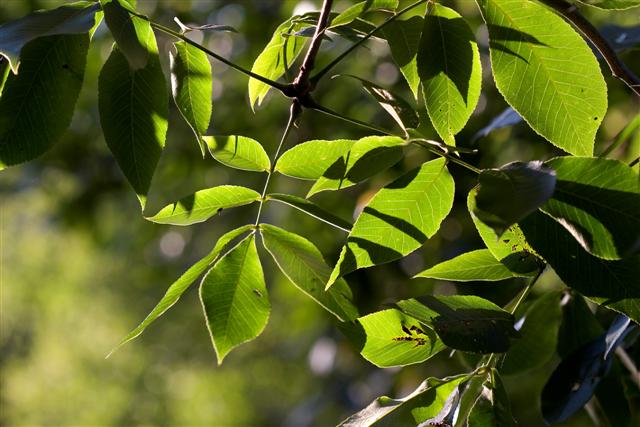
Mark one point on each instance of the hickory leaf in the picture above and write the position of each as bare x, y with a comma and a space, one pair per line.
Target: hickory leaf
239, 152
131, 33
403, 37
360, 8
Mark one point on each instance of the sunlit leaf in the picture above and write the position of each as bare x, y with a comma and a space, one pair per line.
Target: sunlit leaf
492, 409
131, 33
234, 298
238, 152
204, 204
547, 73
178, 287
360, 8
310, 159
303, 264
403, 37
450, 70
312, 209
612, 4
191, 84
398, 219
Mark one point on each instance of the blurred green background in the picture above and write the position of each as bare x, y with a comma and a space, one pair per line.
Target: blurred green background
79, 266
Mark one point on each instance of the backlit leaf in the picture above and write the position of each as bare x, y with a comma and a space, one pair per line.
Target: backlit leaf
546, 72
360, 8
238, 152
403, 37
131, 33
612, 4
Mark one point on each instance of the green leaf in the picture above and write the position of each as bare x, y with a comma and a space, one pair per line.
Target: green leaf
421, 408
450, 70
398, 219
134, 108
191, 84
4, 72
37, 105
234, 298
612, 4
589, 275
399, 109
579, 326
311, 209
283, 48
133, 35
311, 159
468, 400
598, 202
366, 157
538, 336
630, 307
508, 246
470, 266
510, 193
395, 339
547, 73
358, 9
204, 204
492, 409
178, 287
303, 264
73, 18
404, 38
464, 322
239, 152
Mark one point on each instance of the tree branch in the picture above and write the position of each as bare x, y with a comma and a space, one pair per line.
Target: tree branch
619, 70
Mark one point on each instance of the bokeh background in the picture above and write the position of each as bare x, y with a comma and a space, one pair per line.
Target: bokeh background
79, 266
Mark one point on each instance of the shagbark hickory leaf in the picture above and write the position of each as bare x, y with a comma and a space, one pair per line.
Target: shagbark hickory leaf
492, 409
183, 283
311, 209
130, 33
303, 264
478, 265
589, 275
191, 85
310, 159
234, 298
395, 339
74, 18
598, 201
239, 152
204, 204
398, 219
403, 37
421, 408
450, 70
510, 193
546, 72
37, 104
360, 8
611, 4
134, 108
464, 322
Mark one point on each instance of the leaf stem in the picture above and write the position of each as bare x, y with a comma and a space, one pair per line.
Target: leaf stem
515, 305
314, 80
294, 113
329, 112
619, 70
448, 156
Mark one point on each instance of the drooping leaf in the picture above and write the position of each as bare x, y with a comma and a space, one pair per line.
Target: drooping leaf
283, 48
303, 264
191, 84
508, 117
207, 27
492, 409
398, 219
133, 106
239, 152
204, 204
579, 326
547, 73
37, 105
510, 193
538, 336
620, 37
234, 298
612, 4
131, 33
73, 18
360, 8
470, 395
589, 275
598, 201
403, 37
420, 408
178, 287
509, 246
450, 70
475, 265
395, 339
464, 322
312, 209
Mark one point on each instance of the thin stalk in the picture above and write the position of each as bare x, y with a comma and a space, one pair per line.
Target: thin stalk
634, 162
281, 87
514, 306
357, 122
314, 80
448, 156
294, 113
622, 137
443, 146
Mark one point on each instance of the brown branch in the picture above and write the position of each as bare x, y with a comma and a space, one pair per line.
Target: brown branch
619, 70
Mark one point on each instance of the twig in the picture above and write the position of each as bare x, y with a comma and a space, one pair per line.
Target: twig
315, 106
619, 70
448, 156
